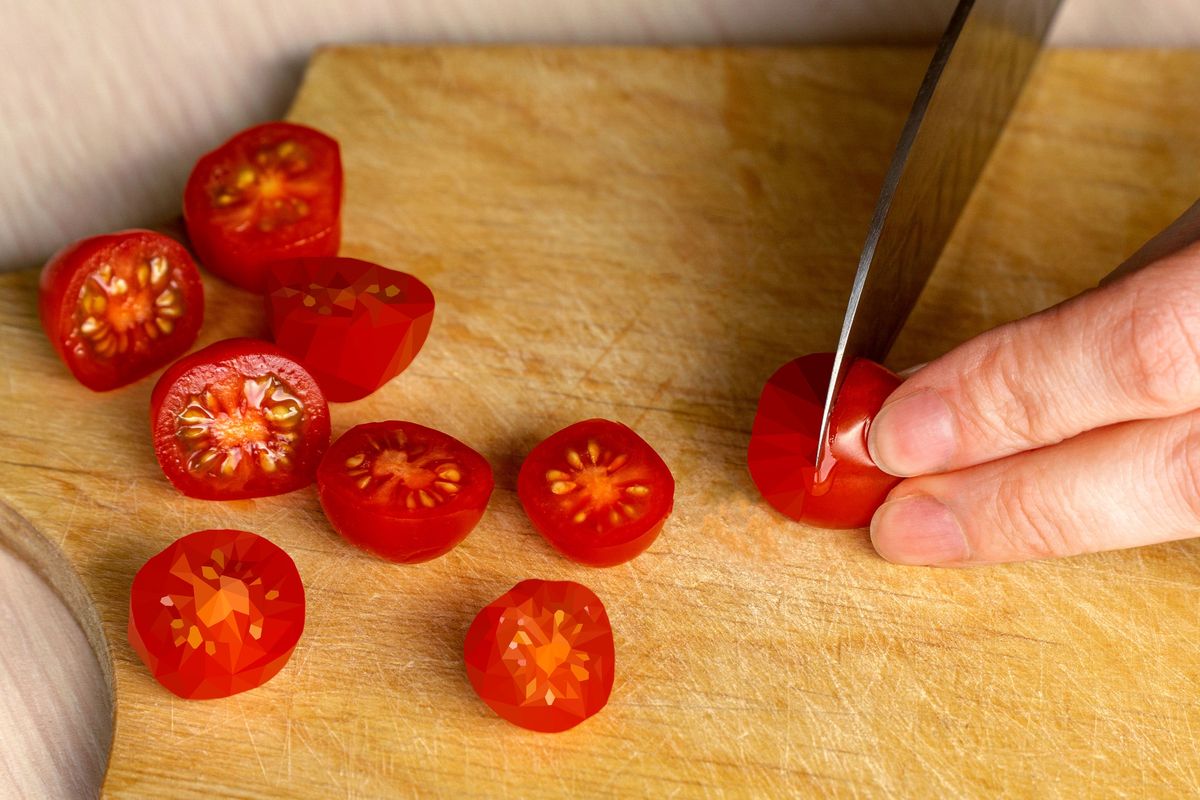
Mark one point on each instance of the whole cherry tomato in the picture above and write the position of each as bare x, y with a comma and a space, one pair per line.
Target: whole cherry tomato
272, 191
846, 488
118, 307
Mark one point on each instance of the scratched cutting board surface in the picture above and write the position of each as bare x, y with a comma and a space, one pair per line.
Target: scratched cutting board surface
646, 235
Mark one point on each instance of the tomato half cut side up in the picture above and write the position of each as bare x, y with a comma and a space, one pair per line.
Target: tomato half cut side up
403, 491
120, 306
596, 491
216, 613
847, 487
272, 191
355, 325
541, 655
238, 419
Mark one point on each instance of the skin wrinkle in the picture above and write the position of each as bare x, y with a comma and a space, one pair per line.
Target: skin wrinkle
1031, 518
1161, 347
1182, 453
1133, 483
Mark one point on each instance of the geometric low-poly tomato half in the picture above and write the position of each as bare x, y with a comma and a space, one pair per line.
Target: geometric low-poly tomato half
119, 306
847, 488
353, 324
238, 419
596, 491
272, 191
403, 491
541, 655
216, 613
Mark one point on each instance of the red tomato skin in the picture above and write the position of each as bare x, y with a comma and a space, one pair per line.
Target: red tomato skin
241, 260
848, 488
58, 292
481, 652
350, 356
618, 545
403, 537
208, 363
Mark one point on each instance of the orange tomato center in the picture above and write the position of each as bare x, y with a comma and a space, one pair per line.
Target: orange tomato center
389, 469
597, 486
127, 303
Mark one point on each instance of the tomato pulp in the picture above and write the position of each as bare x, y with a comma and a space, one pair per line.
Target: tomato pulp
847, 487
353, 324
597, 491
541, 655
118, 307
403, 491
238, 419
216, 613
272, 191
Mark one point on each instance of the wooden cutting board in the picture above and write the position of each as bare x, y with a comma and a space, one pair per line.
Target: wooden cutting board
645, 235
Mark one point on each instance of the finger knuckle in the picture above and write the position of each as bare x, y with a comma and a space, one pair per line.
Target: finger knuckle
1007, 409
1027, 526
1183, 467
1157, 348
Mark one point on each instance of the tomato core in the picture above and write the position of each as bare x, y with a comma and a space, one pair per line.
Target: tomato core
266, 193
126, 303
592, 482
390, 469
240, 424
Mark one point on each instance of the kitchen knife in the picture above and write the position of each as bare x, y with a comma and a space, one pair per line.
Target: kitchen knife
969, 90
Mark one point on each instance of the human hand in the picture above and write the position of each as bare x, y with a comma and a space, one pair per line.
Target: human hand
1074, 430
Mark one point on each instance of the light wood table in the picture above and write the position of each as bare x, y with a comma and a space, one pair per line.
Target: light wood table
646, 235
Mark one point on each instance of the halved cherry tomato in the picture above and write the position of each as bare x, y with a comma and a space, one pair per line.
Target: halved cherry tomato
597, 491
272, 191
355, 325
541, 655
847, 487
216, 613
238, 419
118, 307
403, 491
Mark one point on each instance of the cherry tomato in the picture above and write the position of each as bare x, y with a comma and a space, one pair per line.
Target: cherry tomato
541, 655
355, 325
847, 488
216, 613
238, 419
403, 491
597, 491
118, 307
272, 191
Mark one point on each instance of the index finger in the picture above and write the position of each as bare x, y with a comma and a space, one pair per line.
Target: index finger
1127, 350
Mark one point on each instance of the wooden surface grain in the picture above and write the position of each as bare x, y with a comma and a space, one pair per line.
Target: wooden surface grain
646, 235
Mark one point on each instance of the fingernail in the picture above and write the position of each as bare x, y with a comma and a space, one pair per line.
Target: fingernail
913, 435
918, 530
915, 368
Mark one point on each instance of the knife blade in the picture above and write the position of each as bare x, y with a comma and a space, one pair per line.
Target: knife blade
976, 75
